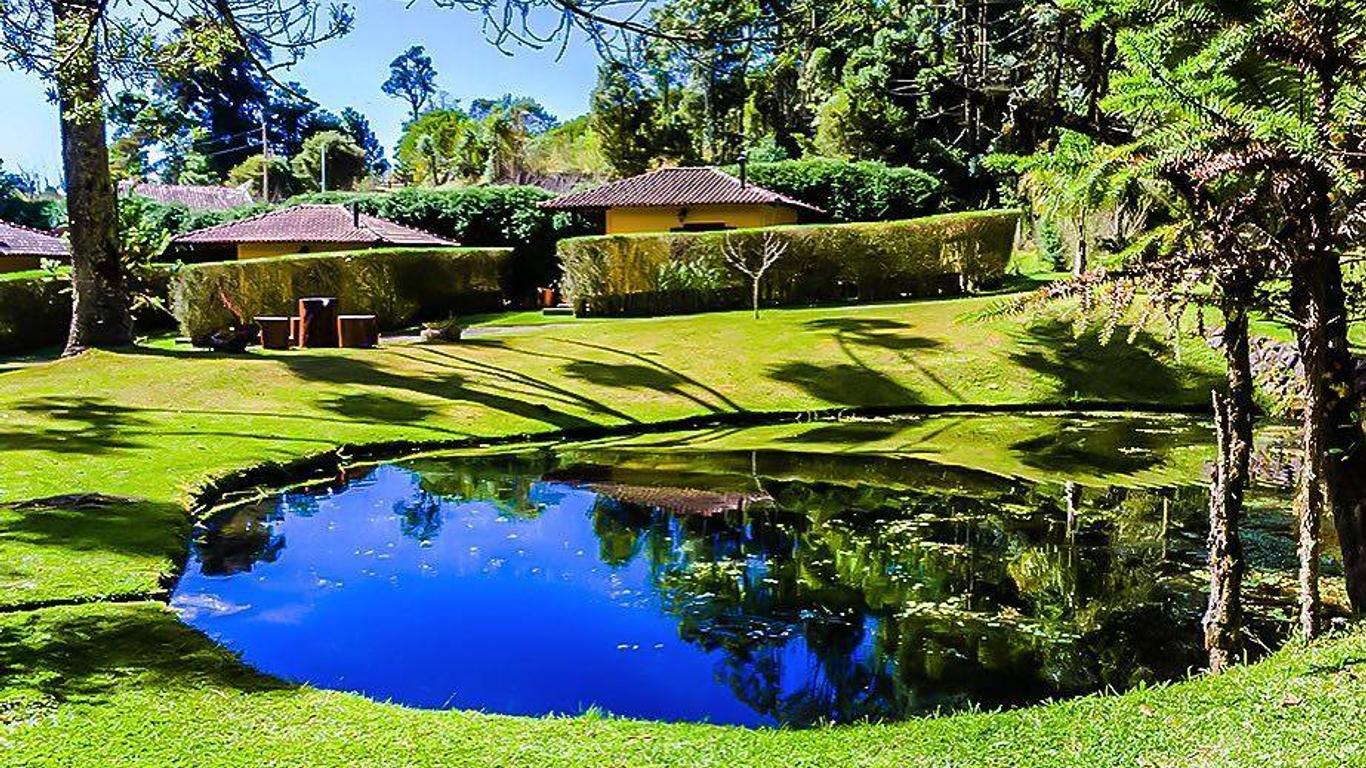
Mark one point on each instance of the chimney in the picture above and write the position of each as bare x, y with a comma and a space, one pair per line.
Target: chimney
355, 214
744, 169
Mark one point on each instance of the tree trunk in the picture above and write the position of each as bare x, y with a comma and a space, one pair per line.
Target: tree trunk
1334, 469
1233, 425
101, 314
756, 298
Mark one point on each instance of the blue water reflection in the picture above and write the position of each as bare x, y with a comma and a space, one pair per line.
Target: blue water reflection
540, 584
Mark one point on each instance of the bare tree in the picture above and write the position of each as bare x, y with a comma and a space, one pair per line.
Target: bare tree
739, 258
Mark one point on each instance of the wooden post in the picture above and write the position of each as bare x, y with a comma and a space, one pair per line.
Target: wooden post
275, 332
318, 322
361, 331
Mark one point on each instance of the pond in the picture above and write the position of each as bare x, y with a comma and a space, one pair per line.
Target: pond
787, 575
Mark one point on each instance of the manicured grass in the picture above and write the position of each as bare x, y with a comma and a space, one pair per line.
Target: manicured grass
104, 684
130, 685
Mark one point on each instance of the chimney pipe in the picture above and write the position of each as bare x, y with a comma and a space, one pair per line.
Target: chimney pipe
355, 215
744, 169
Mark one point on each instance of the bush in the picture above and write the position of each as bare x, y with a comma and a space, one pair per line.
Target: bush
35, 307
686, 272
399, 285
482, 217
35, 312
848, 192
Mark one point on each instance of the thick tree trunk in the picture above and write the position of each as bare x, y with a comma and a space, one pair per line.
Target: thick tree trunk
101, 314
1233, 418
1334, 474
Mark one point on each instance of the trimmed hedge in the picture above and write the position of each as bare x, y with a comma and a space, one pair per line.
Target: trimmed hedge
35, 312
849, 192
686, 272
35, 307
399, 285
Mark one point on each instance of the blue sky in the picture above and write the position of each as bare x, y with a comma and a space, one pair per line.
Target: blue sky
348, 72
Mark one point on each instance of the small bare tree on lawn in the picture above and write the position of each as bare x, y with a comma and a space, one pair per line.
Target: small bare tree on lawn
738, 257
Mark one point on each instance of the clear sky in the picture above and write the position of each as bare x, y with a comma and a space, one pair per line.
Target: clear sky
348, 72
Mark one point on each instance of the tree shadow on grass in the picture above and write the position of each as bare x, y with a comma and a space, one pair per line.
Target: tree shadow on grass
848, 384
46, 544
344, 370
873, 332
1084, 368
634, 376
83, 425
82, 654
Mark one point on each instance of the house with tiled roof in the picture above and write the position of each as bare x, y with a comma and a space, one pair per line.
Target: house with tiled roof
686, 199
312, 228
194, 197
24, 248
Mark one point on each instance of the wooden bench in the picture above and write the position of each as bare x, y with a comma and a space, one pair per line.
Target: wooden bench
361, 331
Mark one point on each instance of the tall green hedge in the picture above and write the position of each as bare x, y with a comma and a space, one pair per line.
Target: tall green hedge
687, 272
399, 285
852, 191
35, 307
35, 312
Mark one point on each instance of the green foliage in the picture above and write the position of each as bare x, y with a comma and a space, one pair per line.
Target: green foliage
852, 191
34, 313
19, 205
570, 149
346, 162
282, 180
412, 78
399, 285
1051, 244
651, 274
440, 147
492, 216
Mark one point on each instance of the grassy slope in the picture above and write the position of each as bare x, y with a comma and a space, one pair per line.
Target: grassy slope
130, 685
110, 684
149, 426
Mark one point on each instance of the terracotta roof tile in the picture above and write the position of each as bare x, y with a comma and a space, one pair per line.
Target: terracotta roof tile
198, 198
675, 187
16, 240
313, 224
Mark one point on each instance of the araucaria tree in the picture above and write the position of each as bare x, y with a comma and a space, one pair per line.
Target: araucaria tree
79, 46
412, 78
1268, 94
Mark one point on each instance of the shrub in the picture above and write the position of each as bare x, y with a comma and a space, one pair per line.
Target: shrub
35, 312
35, 306
399, 285
861, 191
667, 273
483, 217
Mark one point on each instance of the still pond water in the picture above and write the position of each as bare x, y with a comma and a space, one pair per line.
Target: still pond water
786, 575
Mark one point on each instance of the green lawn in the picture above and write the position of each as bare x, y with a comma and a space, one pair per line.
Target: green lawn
100, 456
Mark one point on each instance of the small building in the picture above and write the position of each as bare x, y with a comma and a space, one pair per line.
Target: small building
304, 229
194, 197
696, 199
23, 248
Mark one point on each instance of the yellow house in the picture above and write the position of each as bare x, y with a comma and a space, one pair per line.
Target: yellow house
305, 229
23, 248
685, 200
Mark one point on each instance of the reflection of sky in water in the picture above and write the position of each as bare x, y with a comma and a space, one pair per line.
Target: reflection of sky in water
491, 612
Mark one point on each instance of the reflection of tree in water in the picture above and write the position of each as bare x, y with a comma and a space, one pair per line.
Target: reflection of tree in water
235, 543
903, 602
419, 516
